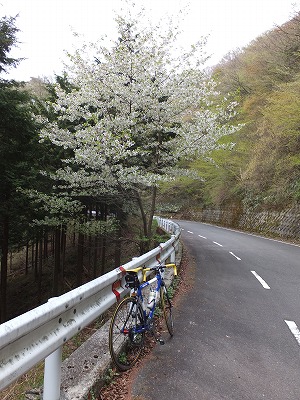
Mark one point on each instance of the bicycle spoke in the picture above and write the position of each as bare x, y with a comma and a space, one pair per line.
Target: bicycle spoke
125, 341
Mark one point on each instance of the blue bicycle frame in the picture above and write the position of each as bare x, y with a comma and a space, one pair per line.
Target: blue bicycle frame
148, 317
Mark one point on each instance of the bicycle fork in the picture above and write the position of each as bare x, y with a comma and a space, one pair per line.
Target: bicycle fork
140, 327
151, 328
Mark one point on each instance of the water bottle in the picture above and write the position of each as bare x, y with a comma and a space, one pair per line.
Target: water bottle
151, 298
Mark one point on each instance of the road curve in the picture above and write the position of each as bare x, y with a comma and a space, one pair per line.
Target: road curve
238, 327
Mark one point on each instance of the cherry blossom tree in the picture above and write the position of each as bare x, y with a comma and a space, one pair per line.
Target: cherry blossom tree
137, 107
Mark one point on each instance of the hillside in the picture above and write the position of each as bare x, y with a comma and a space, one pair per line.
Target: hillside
261, 170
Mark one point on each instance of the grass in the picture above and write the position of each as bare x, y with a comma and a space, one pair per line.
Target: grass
31, 381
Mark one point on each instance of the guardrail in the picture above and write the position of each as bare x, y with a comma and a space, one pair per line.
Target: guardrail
40, 333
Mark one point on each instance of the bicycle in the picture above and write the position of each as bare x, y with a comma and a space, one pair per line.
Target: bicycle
132, 318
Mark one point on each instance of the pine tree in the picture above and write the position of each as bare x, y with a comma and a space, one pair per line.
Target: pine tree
8, 39
17, 139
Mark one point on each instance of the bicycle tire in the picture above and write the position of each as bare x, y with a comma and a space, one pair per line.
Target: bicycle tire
125, 346
166, 307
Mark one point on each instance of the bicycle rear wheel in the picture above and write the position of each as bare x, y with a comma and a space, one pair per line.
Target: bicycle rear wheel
125, 339
166, 306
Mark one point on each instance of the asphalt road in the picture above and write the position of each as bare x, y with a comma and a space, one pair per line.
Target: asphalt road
237, 329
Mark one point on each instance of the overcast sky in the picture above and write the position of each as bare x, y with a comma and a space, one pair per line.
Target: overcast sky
46, 25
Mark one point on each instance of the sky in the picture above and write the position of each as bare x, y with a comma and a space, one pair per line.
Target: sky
47, 26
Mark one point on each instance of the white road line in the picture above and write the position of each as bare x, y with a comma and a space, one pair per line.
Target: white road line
294, 329
191, 232
251, 234
238, 258
203, 237
218, 244
264, 283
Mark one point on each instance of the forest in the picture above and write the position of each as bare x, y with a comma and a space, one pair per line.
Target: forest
88, 158
261, 170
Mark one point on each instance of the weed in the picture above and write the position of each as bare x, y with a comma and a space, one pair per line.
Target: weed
123, 358
110, 376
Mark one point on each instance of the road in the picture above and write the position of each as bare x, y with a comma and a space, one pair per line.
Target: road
237, 328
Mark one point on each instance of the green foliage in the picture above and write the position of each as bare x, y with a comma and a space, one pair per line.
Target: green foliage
18, 162
181, 194
173, 287
94, 227
262, 169
111, 373
274, 168
8, 32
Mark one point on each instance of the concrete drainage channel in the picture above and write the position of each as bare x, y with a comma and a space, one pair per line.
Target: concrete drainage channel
83, 372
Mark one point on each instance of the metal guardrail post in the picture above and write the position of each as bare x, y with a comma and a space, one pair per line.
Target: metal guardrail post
173, 254
52, 375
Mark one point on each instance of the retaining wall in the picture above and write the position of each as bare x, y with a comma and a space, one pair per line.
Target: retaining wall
283, 224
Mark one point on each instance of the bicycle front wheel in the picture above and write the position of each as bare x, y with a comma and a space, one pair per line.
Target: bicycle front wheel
126, 334
166, 306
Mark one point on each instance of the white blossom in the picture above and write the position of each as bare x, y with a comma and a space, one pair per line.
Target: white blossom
135, 110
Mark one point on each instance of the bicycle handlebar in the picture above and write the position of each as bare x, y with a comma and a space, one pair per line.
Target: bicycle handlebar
161, 266
154, 268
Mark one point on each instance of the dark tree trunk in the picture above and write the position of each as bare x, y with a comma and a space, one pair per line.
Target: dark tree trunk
96, 246
53, 243
27, 258
152, 211
79, 270
36, 260
95, 261
117, 252
103, 216
46, 244
40, 270
118, 241
63, 253
102, 255
4, 258
56, 272
143, 214
32, 253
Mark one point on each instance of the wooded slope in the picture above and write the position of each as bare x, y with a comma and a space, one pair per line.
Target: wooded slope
262, 170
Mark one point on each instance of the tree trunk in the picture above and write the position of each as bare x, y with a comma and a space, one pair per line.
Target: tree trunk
4, 258
143, 214
46, 235
103, 216
118, 242
63, 253
147, 224
152, 211
95, 259
117, 253
79, 269
10, 261
27, 258
36, 259
56, 271
53, 243
32, 253
40, 270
